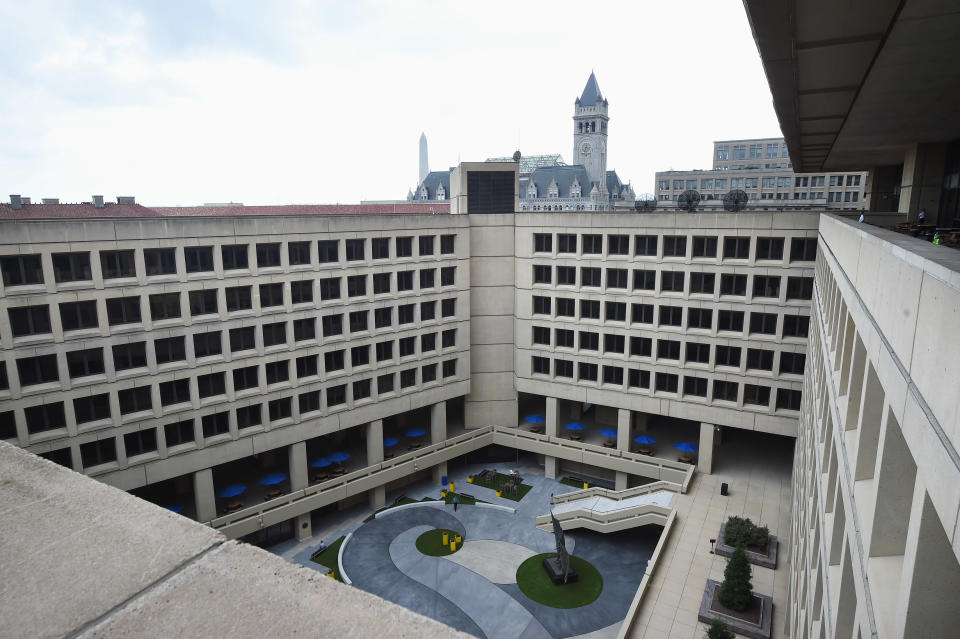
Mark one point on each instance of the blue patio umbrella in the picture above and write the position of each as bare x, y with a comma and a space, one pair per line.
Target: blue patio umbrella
232, 490
175, 508
645, 439
271, 479
339, 457
415, 432
575, 426
685, 446
609, 432
390, 442
534, 419
321, 462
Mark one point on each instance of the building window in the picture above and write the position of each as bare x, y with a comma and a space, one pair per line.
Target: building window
541, 335
615, 311
215, 424
250, 416
85, 363
448, 244
274, 334
756, 395
242, 339
385, 383
380, 247
268, 255
587, 372
408, 378
448, 307
271, 295
170, 349
245, 378
164, 306
563, 368
641, 313
728, 356
766, 286
428, 373
803, 249
770, 248
566, 243
203, 302
671, 281
759, 359
359, 321
333, 361
356, 285
337, 395
589, 276
589, 341
564, 338
207, 344
668, 349
448, 338
796, 326
641, 346
213, 384
763, 323
37, 370
736, 248
29, 320
566, 307
541, 366
384, 351
730, 321
135, 400
124, 310
792, 363
733, 284
671, 316
425, 245
666, 382
78, 315
405, 281
613, 343
405, 314
618, 244
282, 408
590, 309
788, 399
541, 274
542, 243
613, 375
674, 246
117, 264
328, 251
617, 278
449, 368
301, 292
644, 280
361, 389
698, 353
298, 253
381, 283
174, 392
239, 298
404, 246
71, 267
700, 318
799, 288
198, 259
428, 311
592, 244
355, 250
307, 366
696, 386
276, 372
332, 325
127, 356
99, 452
704, 247
45, 417
428, 277
645, 245
702, 283
234, 256
330, 288
19, 270
428, 342
725, 391
448, 275
383, 317
638, 378
179, 433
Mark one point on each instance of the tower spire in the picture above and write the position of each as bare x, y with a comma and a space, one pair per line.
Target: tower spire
424, 161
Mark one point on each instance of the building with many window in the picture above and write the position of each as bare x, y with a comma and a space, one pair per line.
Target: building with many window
763, 170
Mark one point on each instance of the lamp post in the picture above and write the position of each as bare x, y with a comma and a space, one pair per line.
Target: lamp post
712, 542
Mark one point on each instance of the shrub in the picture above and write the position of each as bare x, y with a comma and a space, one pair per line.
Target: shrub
718, 630
743, 532
736, 589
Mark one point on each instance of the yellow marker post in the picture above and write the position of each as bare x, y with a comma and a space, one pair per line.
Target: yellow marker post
459, 539
586, 485
469, 480
453, 487
453, 546
446, 540
443, 494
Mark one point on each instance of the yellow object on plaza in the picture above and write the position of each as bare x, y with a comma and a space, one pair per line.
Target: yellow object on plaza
586, 485
453, 487
459, 539
469, 480
453, 546
498, 493
445, 539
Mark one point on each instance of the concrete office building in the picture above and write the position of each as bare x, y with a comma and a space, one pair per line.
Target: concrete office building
874, 549
763, 170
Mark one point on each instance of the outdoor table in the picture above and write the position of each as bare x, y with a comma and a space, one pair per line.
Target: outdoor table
685, 460
609, 444
320, 477
273, 494
414, 445
645, 451
534, 429
576, 436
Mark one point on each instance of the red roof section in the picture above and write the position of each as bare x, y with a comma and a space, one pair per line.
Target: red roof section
87, 210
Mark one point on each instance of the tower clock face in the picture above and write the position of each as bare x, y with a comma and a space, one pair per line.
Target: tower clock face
585, 148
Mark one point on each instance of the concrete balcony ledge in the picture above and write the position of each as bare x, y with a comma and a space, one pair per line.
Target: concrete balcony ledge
85, 559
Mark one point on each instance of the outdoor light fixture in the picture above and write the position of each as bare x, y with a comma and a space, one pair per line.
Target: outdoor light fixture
712, 542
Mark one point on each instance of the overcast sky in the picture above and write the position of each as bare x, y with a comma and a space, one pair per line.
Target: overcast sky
186, 102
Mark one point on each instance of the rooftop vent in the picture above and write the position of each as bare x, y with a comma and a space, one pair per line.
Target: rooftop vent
126, 199
15, 202
51, 200
98, 201
24, 200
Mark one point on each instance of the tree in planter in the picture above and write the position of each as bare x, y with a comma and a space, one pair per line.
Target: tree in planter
741, 531
736, 590
718, 630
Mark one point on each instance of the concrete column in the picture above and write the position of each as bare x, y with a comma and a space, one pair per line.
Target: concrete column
552, 418
297, 463
378, 497
203, 495
705, 455
621, 481
623, 430
550, 467
640, 422
438, 472
375, 442
303, 527
881, 189
438, 422
922, 182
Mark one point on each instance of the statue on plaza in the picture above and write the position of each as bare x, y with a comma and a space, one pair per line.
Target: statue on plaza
558, 567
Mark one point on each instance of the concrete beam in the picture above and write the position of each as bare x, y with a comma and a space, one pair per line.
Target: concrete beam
705, 455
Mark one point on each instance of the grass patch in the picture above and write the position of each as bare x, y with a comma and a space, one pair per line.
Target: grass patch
431, 542
328, 557
535, 583
566, 481
498, 481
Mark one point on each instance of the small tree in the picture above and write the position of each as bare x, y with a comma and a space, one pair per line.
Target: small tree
736, 589
718, 630
743, 531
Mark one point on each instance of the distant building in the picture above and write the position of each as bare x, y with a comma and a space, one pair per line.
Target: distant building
762, 168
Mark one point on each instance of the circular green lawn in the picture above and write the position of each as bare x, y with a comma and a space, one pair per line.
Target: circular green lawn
535, 583
431, 542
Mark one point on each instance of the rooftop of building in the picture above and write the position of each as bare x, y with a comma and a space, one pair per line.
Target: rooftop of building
530, 162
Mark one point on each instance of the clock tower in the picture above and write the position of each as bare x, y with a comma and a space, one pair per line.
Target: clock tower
590, 133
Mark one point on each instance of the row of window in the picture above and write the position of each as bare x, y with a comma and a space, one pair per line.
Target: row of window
760, 323
802, 249
753, 394
20, 270
35, 320
798, 288
756, 151
767, 182
52, 416
43, 369
593, 343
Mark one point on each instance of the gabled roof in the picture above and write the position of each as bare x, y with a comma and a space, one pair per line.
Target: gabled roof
614, 183
564, 177
433, 181
591, 92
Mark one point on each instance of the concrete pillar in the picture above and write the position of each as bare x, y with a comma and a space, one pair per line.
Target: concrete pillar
640, 422
378, 497
438, 472
621, 481
623, 429
303, 527
550, 467
203, 495
882, 188
375, 442
297, 454
438, 422
552, 418
705, 455
922, 182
